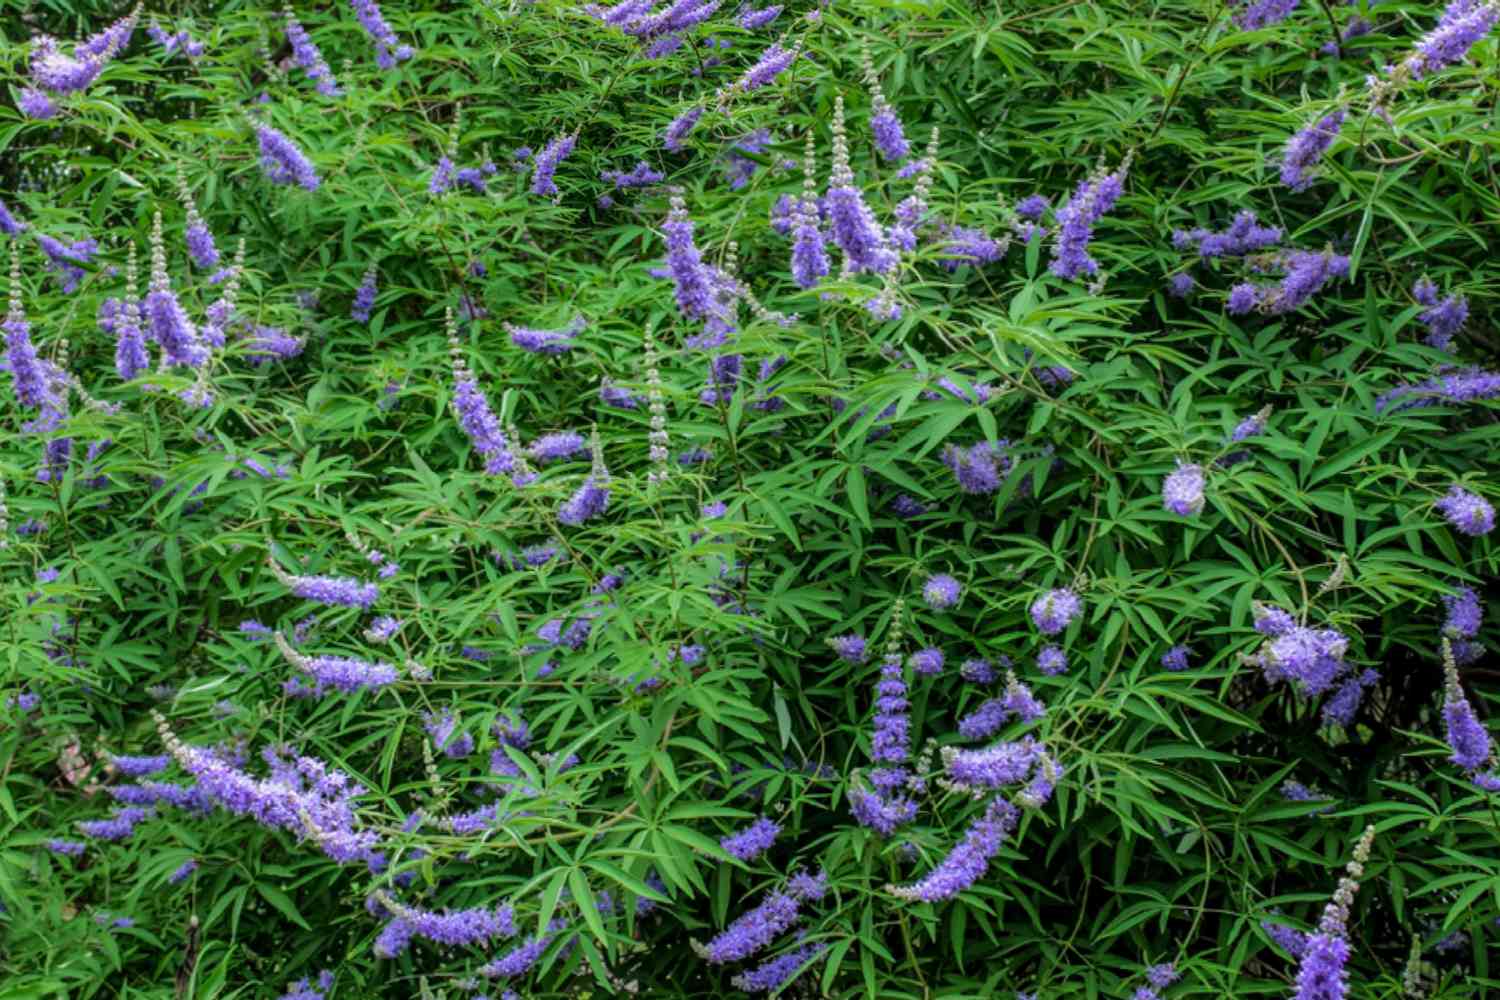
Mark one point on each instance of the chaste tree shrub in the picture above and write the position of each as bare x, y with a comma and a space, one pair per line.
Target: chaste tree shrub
851, 500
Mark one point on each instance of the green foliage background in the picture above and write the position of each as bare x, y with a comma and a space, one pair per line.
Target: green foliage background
1167, 840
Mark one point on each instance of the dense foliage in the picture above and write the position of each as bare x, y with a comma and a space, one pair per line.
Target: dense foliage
566, 500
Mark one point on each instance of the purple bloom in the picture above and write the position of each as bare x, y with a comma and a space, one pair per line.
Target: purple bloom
751, 19
545, 165
441, 727
1182, 491
890, 140
969, 246
1257, 14
519, 960
551, 342
9, 224
777, 973
850, 648
772, 62
1076, 219
339, 591
1306, 148
1054, 610
851, 223
752, 841
613, 395
977, 671
310, 59
119, 826
442, 177
479, 422
388, 49
271, 343
642, 175
139, 767
927, 662
1180, 285
557, 447
758, 927
1176, 658
993, 767
1340, 709
1245, 235
70, 848
364, 298
1467, 737
967, 862
183, 872
453, 928
1444, 318
979, 468
1033, 207
33, 103
941, 591
590, 499
66, 259
282, 161
700, 291
1463, 23
679, 127
1464, 614
1467, 512
1052, 660
1453, 386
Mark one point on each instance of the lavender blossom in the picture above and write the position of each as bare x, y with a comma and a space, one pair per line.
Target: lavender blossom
758, 927
967, 862
1256, 14
927, 662
139, 767
9, 224
1054, 610
772, 63
1182, 491
941, 591
549, 342
282, 161
182, 872
341, 673
1462, 24
120, 826
1444, 318
364, 297
809, 245
592, 497
777, 973
302, 796
338, 591
851, 223
678, 129
1451, 386
1176, 658
1076, 219
388, 49
1306, 148
753, 841
1245, 235
1052, 660
1467, 736
1340, 709
1465, 614
1321, 973
306, 55
545, 165
850, 648
1467, 512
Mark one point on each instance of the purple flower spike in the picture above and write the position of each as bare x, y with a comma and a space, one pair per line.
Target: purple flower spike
941, 591
968, 861
1054, 610
752, 841
1182, 491
1467, 512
